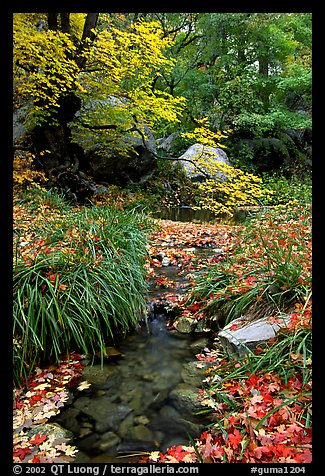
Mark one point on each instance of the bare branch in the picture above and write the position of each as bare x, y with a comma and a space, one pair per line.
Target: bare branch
99, 128
135, 129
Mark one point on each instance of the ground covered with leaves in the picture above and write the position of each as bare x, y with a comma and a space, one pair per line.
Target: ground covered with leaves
259, 405
35, 441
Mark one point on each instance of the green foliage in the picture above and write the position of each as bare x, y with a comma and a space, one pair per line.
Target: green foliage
79, 280
294, 190
37, 199
258, 68
261, 125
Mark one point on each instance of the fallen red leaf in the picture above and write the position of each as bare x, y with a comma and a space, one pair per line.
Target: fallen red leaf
178, 452
34, 399
235, 438
21, 453
38, 439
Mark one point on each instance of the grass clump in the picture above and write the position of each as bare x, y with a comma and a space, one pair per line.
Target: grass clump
79, 278
268, 269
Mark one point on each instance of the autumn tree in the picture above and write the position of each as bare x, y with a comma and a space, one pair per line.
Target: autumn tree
224, 187
65, 61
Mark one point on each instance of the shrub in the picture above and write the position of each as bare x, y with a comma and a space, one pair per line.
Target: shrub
294, 190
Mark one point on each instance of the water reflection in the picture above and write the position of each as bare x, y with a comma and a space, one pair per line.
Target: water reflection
188, 214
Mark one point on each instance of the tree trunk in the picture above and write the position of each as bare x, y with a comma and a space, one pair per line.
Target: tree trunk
52, 20
63, 159
65, 22
90, 23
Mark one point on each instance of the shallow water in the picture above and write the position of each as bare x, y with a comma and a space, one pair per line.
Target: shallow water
188, 214
140, 402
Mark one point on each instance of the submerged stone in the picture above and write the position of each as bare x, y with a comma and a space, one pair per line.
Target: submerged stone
140, 432
107, 441
51, 429
194, 372
185, 325
185, 398
103, 377
135, 446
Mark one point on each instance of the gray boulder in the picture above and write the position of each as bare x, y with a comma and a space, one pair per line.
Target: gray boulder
129, 159
19, 130
201, 151
247, 334
136, 166
166, 144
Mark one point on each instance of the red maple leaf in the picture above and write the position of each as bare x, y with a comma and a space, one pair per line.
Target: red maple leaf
252, 381
235, 438
305, 457
38, 439
22, 452
19, 405
233, 327
34, 399
178, 452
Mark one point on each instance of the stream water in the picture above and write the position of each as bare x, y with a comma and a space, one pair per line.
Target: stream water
188, 214
146, 398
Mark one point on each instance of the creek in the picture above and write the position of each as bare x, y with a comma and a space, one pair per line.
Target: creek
188, 214
145, 396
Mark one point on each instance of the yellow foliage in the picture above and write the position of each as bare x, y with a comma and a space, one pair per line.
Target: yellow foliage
225, 187
204, 135
24, 173
77, 21
43, 68
119, 62
126, 63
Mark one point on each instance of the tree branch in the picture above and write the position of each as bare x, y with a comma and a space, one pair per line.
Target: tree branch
135, 129
99, 128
